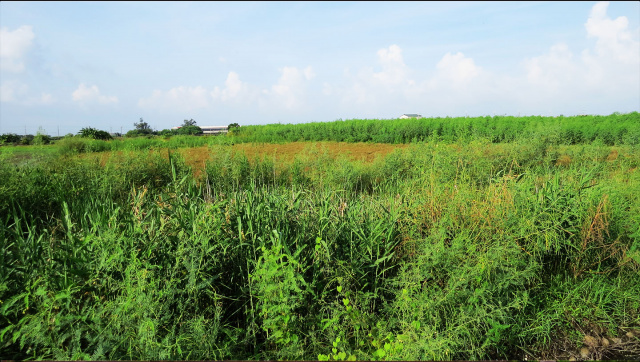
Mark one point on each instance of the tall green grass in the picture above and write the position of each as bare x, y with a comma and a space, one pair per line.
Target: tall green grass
614, 129
441, 251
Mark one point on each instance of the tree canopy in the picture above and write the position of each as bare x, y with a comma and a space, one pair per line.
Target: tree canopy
188, 122
96, 134
143, 127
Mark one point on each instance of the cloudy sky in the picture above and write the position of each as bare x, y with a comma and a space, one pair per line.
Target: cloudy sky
68, 65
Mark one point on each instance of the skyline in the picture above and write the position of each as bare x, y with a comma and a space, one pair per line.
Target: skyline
67, 65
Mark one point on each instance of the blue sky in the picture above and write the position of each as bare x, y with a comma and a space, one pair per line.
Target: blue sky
69, 65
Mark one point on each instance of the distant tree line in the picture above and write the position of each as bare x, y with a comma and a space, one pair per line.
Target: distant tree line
141, 129
41, 138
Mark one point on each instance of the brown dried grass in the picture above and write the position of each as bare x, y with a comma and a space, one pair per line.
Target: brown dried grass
563, 160
287, 152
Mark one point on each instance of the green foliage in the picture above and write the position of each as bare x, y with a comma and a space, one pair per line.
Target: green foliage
440, 251
276, 284
189, 130
615, 129
95, 134
7, 138
26, 140
41, 139
188, 123
142, 128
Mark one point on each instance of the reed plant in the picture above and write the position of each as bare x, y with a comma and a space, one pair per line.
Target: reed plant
438, 251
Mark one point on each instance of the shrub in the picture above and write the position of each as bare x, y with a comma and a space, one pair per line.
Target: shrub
9, 138
95, 134
41, 139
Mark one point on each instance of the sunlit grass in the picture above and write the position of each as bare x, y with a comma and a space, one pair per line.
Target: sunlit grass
434, 250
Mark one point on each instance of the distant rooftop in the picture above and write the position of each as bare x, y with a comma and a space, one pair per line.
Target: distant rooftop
411, 115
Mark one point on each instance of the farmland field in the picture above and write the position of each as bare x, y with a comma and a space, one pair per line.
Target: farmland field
460, 245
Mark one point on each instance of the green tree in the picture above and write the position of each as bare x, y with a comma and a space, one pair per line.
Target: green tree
188, 122
9, 138
41, 138
166, 132
189, 130
95, 134
142, 127
233, 128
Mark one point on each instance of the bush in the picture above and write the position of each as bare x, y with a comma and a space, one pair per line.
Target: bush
26, 140
41, 139
189, 130
9, 138
72, 145
95, 134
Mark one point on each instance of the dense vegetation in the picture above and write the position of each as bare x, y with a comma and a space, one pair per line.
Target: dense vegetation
614, 129
444, 250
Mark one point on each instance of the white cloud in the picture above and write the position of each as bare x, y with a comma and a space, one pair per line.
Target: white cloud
309, 73
13, 47
18, 93
12, 91
457, 68
553, 69
46, 98
394, 71
370, 88
612, 65
180, 98
558, 79
289, 93
235, 90
613, 37
91, 94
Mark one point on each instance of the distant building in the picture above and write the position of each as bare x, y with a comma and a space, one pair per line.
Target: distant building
210, 129
410, 115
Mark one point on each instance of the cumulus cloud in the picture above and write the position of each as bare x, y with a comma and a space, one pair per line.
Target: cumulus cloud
612, 65
368, 87
558, 79
17, 92
235, 90
613, 37
552, 69
91, 94
180, 98
394, 71
457, 68
14, 46
289, 92
12, 91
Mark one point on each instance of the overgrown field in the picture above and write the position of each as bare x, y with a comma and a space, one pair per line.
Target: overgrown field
437, 250
614, 129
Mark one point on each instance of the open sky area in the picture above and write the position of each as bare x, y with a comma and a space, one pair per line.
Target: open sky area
69, 65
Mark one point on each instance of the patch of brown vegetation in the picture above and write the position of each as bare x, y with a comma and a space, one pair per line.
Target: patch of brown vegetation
563, 160
613, 155
598, 344
364, 152
286, 153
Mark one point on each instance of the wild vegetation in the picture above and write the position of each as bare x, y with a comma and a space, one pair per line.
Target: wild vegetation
613, 129
459, 248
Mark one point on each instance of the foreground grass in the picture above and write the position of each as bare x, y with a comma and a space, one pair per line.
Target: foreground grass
437, 251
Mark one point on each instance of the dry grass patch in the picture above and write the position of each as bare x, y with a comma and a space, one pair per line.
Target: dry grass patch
287, 152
